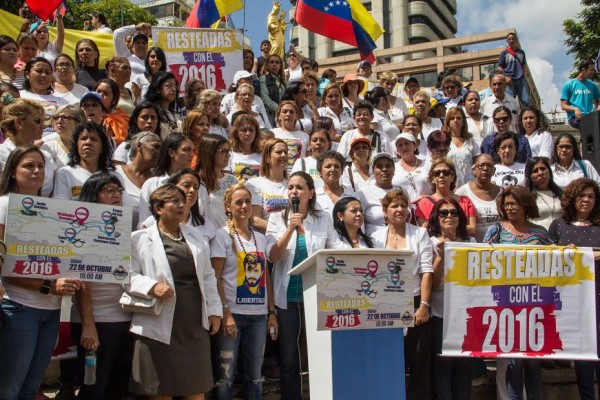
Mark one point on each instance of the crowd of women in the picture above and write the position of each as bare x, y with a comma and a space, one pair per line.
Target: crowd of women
230, 193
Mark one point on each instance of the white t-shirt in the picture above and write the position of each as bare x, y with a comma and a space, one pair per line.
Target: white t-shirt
436, 124
270, 196
509, 176
370, 196
68, 182
74, 95
357, 178
487, 211
147, 188
122, 153
384, 145
131, 195
49, 53
541, 144
297, 143
310, 164
398, 111
463, 160
105, 304
343, 123
244, 166
324, 202
215, 209
142, 82
245, 288
59, 155
414, 183
385, 124
305, 122
548, 206
18, 294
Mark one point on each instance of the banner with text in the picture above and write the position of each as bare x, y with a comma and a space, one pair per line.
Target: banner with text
52, 238
519, 301
213, 55
365, 291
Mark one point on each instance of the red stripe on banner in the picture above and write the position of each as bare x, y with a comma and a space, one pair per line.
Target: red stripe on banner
45, 268
342, 321
528, 330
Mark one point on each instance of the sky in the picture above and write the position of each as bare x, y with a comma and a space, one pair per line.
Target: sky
538, 24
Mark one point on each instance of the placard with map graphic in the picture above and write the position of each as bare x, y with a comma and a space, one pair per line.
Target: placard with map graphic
51, 238
365, 291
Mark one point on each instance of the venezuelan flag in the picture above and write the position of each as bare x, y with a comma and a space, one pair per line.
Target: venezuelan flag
206, 12
347, 21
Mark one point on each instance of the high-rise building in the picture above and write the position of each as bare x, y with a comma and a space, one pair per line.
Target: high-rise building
405, 22
167, 12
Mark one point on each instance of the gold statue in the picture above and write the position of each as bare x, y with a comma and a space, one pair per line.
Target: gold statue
276, 25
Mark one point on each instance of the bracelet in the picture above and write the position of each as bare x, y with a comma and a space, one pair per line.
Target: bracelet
426, 303
273, 312
225, 305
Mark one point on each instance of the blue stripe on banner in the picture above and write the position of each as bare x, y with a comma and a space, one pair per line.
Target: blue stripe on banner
207, 13
368, 364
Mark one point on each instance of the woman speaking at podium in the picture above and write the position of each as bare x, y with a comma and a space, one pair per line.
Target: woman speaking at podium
293, 235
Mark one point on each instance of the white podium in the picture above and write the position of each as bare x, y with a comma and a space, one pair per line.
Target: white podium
356, 304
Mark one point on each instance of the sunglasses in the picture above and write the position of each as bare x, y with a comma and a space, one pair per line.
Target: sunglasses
448, 213
224, 151
63, 118
442, 172
501, 119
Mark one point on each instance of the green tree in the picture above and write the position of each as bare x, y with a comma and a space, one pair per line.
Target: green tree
583, 34
114, 10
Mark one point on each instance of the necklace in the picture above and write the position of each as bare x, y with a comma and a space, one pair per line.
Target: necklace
413, 168
177, 239
242, 244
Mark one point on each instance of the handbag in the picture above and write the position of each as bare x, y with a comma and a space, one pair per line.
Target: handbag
142, 305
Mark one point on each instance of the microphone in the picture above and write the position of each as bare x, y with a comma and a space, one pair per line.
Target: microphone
295, 204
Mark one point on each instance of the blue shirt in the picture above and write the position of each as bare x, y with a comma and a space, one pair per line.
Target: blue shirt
512, 65
294, 293
580, 94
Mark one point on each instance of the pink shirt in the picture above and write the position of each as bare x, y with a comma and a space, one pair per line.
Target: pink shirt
426, 204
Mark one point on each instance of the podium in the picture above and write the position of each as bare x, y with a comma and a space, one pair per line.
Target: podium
356, 304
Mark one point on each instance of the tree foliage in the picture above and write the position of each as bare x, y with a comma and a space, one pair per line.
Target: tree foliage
583, 34
80, 10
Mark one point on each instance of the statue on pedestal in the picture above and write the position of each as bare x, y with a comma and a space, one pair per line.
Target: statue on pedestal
276, 25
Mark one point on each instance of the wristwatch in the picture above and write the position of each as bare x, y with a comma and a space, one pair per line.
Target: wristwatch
273, 312
46, 287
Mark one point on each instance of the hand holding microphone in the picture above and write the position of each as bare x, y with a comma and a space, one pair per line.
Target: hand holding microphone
296, 217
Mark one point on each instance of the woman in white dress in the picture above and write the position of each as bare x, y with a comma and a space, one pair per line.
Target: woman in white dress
463, 147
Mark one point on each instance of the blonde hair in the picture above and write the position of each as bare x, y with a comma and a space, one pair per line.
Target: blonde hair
18, 110
388, 76
227, 202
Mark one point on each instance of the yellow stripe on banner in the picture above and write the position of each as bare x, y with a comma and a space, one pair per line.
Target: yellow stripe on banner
10, 25
214, 40
543, 265
228, 6
361, 15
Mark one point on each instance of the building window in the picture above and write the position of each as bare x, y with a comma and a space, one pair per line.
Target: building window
485, 69
426, 79
466, 74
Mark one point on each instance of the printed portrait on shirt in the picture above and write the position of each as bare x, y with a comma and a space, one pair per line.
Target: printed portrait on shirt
251, 278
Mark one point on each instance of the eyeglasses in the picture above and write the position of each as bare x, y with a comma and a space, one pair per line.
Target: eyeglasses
449, 87
564, 147
448, 213
64, 65
442, 172
510, 205
224, 152
170, 86
291, 55
274, 62
484, 166
501, 119
64, 118
114, 191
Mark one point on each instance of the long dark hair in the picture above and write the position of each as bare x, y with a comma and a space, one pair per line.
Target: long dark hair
160, 54
171, 142
133, 126
339, 225
156, 84
571, 138
197, 218
434, 229
105, 159
29, 65
557, 191
114, 88
207, 159
311, 202
93, 185
8, 183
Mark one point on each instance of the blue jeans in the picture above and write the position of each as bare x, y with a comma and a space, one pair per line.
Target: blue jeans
292, 331
252, 335
519, 88
26, 345
521, 370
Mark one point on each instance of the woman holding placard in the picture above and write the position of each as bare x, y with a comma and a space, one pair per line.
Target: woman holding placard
580, 226
516, 206
31, 305
447, 223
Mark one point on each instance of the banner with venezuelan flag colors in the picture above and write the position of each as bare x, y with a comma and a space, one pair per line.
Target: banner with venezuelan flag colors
519, 301
210, 54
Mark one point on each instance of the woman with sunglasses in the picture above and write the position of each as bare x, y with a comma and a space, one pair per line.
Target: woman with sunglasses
502, 117
568, 164
64, 122
517, 207
579, 225
359, 172
452, 375
31, 305
483, 193
22, 123
90, 152
244, 98
411, 172
332, 107
209, 102
538, 175
508, 171
272, 84
442, 177
348, 219
98, 322
176, 152
238, 250
297, 92
214, 156
49, 50
65, 85
400, 235
293, 72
